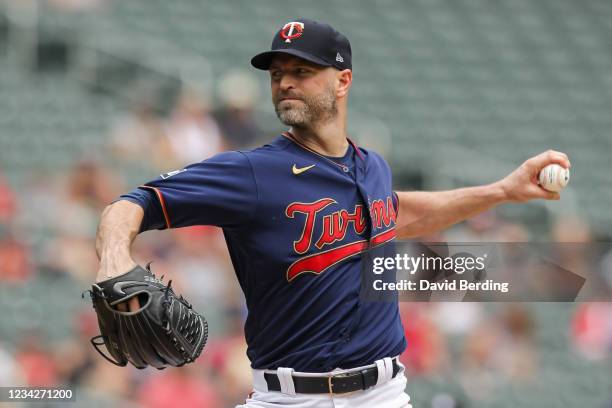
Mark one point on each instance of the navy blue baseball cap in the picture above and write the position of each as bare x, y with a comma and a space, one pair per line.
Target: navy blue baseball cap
311, 40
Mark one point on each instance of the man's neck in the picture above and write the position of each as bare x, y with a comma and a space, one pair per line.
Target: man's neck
327, 139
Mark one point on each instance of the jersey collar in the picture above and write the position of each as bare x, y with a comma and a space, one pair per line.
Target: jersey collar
295, 140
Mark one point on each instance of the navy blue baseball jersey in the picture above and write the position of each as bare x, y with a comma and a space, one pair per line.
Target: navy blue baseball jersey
296, 225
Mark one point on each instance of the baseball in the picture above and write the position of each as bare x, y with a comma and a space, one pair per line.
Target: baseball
554, 177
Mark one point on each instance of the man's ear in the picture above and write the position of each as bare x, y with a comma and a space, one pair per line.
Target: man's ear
344, 79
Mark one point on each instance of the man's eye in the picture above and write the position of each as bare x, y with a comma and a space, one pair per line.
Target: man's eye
275, 74
302, 71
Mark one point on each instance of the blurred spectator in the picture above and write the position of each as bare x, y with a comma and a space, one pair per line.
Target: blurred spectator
227, 356
517, 340
39, 201
444, 400
106, 379
483, 227
139, 131
238, 92
8, 202
178, 388
37, 363
427, 350
201, 259
90, 185
512, 232
457, 318
75, 355
192, 133
591, 330
81, 365
87, 190
501, 348
73, 255
10, 374
573, 252
15, 262
571, 229
487, 227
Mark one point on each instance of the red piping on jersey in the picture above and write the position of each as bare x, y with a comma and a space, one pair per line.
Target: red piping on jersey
160, 197
321, 261
383, 237
356, 148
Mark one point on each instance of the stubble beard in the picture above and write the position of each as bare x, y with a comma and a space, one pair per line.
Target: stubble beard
311, 111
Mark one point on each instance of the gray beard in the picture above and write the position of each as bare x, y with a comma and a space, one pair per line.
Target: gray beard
312, 110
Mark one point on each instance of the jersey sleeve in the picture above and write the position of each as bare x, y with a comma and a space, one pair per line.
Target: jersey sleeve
153, 217
219, 191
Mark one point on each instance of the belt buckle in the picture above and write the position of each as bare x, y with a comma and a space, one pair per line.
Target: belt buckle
330, 384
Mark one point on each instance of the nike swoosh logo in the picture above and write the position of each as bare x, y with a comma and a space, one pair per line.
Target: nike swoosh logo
297, 171
118, 286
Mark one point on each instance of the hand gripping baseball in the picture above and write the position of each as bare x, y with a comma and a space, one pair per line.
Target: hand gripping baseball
164, 331
522, 184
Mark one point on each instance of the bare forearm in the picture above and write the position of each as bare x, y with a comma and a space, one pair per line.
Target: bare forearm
118, 228
423, 213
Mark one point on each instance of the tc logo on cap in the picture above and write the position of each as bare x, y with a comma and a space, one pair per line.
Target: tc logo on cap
292, 30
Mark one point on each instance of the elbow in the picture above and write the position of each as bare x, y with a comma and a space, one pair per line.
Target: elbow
106, 210
407, 233
418, 228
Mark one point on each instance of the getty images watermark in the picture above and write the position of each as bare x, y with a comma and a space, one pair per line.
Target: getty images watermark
551, 272
411, 265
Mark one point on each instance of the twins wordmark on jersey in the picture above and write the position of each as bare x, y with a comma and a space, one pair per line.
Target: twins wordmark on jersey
334, 229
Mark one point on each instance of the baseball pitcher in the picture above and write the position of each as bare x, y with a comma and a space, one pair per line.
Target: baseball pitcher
297, 215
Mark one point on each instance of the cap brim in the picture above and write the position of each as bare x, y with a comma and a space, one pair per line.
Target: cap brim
263, 60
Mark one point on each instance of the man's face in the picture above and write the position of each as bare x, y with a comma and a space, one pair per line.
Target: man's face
303, 93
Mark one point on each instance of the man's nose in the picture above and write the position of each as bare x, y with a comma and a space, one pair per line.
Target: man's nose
287, 82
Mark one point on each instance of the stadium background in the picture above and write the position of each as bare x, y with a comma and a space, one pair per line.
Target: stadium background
99, 95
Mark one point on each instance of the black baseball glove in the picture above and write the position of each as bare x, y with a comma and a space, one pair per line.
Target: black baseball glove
165, 331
